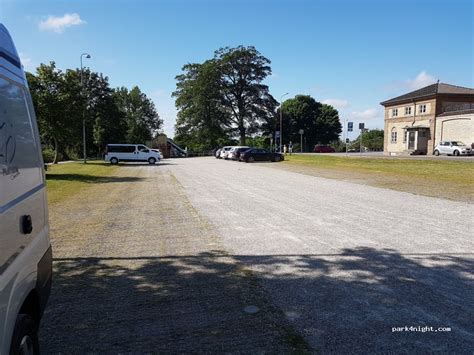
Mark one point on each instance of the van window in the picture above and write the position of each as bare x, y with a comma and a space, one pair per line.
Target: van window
142, 148
19, 149
121, 148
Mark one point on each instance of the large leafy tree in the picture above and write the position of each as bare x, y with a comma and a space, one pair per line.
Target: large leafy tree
142, 119
111, 116
201, 122
320, 122
246, 98
54, 99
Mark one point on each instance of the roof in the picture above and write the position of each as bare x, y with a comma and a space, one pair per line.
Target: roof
457, 113
430, 90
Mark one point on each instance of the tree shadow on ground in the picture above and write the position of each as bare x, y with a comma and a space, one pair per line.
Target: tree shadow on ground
92, 178
341, 303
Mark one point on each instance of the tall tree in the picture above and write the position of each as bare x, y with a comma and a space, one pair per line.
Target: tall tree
320, 122
246, 98
140, 113
201, 121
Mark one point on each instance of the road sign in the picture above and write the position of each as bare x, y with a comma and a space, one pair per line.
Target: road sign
277, 134
301, 131
350, 126
361, 126
347, 140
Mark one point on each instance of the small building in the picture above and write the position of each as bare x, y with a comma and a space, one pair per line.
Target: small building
416, 122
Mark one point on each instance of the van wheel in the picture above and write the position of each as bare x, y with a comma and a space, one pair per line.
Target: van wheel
25, 336
152, 161
436, 152
456, 153
114, 161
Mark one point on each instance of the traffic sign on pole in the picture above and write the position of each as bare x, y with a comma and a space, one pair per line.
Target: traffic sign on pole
350, 126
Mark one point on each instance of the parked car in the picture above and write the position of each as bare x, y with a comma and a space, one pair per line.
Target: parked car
235, 152
25, 248
217, 154
323, 149
452, 148
159, 152
116, 153
224, 151
257, 154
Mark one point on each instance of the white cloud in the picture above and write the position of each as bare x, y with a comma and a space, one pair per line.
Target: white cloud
337, 103
368, 114
422, 79
59, 24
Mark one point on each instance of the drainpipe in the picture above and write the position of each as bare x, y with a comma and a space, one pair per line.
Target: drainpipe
433, 139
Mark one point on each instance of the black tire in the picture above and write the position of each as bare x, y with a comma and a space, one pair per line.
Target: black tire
456, 153
250, 160
436, 152
25, 336
114, 161
151, 161
276, 159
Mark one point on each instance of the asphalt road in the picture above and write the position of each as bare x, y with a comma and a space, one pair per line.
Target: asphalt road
346, 263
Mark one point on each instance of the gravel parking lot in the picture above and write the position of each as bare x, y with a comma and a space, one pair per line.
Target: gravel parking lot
345, 262
205, 255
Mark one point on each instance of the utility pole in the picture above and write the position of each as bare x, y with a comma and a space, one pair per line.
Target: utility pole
281, 122
83, 113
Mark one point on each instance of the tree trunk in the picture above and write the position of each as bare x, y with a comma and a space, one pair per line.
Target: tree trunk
55, 150
242, 135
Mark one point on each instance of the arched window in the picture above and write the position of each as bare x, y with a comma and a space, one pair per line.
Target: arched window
394, 135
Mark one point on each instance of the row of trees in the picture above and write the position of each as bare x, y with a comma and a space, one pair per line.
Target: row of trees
111, 115
224, 100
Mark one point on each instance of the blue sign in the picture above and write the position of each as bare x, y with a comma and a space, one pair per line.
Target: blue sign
350, 126
277, 134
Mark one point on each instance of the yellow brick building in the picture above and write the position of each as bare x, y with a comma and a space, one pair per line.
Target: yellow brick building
416, 122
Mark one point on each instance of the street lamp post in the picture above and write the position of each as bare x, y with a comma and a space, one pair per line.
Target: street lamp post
281, 122
83, 117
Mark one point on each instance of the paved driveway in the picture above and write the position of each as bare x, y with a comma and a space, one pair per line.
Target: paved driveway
346, 263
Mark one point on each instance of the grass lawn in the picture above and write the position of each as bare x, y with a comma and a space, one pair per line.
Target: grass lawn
64, 180
438, 178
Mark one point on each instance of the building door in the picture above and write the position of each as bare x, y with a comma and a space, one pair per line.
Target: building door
411, 140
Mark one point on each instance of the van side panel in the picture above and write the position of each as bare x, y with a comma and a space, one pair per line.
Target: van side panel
22, 195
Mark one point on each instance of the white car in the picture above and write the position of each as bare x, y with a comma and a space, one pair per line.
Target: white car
224, 151
452, 148
25, 248
234, 152
130, 153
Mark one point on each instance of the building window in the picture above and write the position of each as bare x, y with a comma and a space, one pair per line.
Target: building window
394, 136
405, 134
395, 112
408, 110
422, 108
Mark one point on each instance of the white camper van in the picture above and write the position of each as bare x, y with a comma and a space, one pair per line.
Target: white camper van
131, 152
25, 249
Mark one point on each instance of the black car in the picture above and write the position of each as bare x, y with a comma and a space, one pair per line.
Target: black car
238, 151
257, 154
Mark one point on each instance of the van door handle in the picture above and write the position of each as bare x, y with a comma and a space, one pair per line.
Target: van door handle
26, 224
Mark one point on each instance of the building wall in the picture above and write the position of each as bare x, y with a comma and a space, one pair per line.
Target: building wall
402, 120
455, 127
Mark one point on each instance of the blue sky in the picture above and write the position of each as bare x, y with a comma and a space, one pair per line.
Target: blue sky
353, 54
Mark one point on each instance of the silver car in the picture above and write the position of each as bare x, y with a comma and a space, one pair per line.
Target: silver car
452, 148
225, 151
